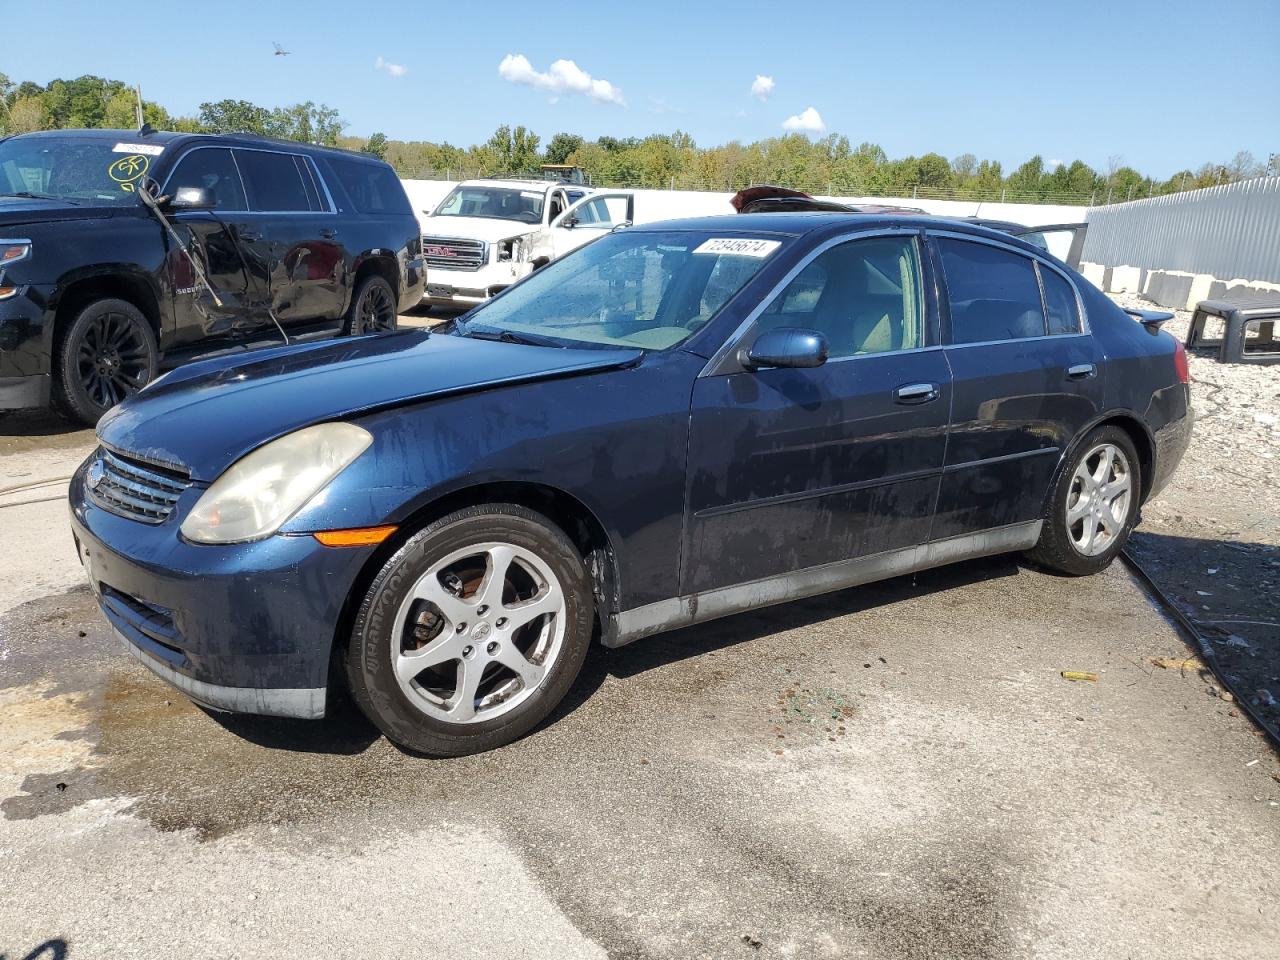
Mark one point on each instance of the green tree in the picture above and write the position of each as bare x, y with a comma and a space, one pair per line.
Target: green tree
562, 146
377, 145
234, 116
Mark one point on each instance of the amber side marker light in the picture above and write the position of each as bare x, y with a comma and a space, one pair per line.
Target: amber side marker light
359, 537
7, 291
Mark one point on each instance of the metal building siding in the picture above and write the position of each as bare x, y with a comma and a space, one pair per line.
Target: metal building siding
1231, 231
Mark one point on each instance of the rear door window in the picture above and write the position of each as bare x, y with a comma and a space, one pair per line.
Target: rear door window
1059, 302
213, 169
273, 182
372, 187
993, 293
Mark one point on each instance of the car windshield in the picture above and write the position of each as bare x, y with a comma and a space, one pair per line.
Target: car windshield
496, 203
78, 169
631, 288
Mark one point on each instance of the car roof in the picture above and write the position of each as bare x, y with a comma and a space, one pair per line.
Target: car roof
801, 223
167, 137
514, 182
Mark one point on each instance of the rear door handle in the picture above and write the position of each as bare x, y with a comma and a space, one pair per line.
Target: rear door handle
1080, 371
328, 233
916, 393
248, 231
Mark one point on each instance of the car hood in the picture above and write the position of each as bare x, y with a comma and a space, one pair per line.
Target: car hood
16, 210
476, 228
203, 417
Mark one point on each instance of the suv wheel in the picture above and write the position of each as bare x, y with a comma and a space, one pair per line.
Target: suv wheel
1094, 505
472, 632
109, 353
373, 309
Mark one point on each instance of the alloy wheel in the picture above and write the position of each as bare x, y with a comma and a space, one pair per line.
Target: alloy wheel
112, 359
377, 312
1098, 500
478, 633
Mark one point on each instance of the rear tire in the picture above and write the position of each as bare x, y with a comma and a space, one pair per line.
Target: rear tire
472, 632
373, 308
108, 354
1093, 507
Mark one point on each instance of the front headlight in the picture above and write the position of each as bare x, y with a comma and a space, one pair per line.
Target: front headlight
510, 249
258, 493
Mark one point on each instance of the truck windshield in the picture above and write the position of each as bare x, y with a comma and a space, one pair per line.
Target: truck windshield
496, 203
77, 169
628, 289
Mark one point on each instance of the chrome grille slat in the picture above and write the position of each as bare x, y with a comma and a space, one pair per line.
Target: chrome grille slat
128, 489
467, 255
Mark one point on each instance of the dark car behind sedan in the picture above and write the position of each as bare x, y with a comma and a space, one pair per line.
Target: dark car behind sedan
675, 423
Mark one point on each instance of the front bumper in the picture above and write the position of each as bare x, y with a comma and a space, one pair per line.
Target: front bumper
469, 287
245, 627
24, 348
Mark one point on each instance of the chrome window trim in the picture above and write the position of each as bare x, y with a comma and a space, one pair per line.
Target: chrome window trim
733, 341
991, 343
1082, 317
244, 185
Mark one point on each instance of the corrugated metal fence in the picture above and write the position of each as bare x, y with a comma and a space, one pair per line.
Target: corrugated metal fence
1230, 232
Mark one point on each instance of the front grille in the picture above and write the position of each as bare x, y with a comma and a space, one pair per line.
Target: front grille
454, 253
129, 488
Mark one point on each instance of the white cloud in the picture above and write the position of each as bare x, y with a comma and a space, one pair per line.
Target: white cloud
394, 69
564, 76
762, 87
1053, 164
810, 121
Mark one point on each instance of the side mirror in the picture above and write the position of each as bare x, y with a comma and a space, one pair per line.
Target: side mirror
193, 198
426, 211
786, 347
569, 222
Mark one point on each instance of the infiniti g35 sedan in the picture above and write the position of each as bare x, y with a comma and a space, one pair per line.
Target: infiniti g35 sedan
677, 422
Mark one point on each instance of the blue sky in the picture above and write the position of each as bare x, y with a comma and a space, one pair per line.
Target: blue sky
1165, 84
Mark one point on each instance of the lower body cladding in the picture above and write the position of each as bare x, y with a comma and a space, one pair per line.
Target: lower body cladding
244, 627
24, 355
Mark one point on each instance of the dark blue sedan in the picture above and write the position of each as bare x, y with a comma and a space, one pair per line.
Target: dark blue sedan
675, 423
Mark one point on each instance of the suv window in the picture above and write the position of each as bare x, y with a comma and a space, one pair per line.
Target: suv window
213, 169
372, 187
273, 181
993, 293
1059, 302
864, 296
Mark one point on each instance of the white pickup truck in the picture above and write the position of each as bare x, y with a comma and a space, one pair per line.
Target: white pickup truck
487, 234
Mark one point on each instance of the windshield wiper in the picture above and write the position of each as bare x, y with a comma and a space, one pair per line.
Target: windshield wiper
508, 336
40, 196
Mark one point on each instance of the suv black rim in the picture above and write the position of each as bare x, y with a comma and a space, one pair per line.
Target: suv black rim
377, 312
112, 359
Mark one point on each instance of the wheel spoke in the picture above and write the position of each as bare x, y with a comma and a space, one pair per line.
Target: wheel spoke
1116, 488
495, 579
1103, 472
1087, 483
511, 658
519, 614
462, 705
444, 648
1089, 532
1076, 512
456, 610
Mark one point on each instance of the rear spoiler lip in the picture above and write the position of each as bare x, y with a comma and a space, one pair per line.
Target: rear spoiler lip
1152, 319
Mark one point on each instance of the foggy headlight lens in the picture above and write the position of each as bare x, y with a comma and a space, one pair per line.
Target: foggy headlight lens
257, 494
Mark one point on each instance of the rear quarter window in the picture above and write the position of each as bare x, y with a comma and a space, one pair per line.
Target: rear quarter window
372, 187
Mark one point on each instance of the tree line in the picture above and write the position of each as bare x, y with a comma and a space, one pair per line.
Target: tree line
831, 165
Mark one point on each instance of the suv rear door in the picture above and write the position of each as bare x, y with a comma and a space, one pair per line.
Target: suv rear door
590, 218
292, 232
1027, 379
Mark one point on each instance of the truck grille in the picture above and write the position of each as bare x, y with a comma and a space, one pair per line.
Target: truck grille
129, 488
454, 253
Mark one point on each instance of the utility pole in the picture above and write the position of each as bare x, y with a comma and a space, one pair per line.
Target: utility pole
138, 90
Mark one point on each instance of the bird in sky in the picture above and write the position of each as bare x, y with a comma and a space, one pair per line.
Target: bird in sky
280, 51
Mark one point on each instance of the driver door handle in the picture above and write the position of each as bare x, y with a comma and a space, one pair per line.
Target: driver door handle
1080, 371
328, 233
916, 393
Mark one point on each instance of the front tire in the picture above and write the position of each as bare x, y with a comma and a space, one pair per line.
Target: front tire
373, 308
1093, 507
472, 632
108, 354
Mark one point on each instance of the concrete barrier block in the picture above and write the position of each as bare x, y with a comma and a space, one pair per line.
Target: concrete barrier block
1095, 273
1125, 280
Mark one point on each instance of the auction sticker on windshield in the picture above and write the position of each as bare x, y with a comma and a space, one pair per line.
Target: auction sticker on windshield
738, 247
150, 149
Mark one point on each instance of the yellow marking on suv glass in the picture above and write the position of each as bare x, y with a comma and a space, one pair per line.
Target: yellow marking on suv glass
128, 169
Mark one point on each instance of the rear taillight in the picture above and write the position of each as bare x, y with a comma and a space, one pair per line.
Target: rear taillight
1180, 361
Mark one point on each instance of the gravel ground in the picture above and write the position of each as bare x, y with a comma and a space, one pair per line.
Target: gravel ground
1212, 539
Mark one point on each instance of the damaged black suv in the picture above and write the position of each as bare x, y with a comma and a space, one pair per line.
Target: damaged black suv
126, 253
